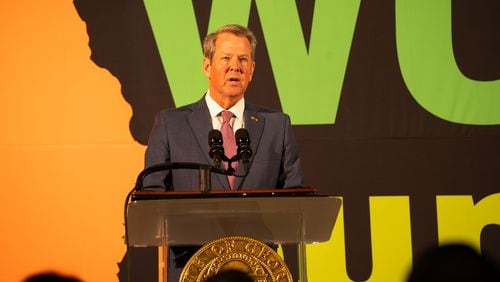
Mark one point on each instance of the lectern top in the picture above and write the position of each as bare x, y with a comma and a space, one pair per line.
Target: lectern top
291, 192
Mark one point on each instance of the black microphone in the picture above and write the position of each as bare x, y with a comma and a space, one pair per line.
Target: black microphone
216, 149
244, 151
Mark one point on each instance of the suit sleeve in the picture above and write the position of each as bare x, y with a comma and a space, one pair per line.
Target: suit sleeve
158, 152
291, 170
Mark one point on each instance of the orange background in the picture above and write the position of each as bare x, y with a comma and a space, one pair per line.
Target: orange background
67, 156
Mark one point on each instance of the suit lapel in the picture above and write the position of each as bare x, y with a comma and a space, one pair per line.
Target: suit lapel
254, 123
200, 123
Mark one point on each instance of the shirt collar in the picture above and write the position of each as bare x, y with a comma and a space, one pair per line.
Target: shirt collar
215, 109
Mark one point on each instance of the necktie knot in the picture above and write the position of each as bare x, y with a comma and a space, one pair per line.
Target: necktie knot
226, 116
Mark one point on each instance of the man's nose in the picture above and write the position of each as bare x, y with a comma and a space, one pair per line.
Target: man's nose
234, 64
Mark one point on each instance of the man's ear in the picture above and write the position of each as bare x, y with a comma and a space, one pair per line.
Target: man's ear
251, 70
206, 67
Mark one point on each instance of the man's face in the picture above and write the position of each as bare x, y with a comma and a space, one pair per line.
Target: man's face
231, 68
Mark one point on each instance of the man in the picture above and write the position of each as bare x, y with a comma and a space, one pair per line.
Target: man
181, 135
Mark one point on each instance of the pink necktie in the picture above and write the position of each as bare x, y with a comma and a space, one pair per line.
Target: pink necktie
229, 142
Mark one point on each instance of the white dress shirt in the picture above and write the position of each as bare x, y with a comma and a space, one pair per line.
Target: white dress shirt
215, 110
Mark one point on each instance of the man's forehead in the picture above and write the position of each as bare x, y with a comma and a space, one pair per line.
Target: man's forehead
231, 50
226, 37
230, 53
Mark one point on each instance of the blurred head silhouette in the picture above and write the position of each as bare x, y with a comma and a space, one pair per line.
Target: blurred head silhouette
453, 262
230, 275
50, 277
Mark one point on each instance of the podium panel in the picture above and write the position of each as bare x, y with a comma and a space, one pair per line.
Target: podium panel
177, 219
198, 221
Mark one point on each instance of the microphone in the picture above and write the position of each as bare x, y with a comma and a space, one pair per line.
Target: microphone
244, 152
216, 149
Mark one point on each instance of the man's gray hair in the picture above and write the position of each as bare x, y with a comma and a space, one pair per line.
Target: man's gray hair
236, 29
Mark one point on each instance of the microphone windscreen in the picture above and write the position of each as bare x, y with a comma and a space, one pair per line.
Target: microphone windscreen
242, 137
214, 136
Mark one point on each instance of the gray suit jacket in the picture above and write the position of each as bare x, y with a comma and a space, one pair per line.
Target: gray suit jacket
181, 135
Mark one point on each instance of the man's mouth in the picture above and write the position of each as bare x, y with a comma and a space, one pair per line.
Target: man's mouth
234, 79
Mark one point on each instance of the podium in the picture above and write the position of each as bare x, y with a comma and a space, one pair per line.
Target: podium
286, 216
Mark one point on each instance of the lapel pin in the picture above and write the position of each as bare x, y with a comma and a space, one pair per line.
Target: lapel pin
254, 118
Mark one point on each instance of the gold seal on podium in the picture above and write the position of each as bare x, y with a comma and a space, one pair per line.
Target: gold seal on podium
261, 262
